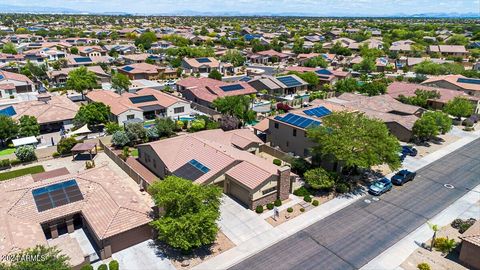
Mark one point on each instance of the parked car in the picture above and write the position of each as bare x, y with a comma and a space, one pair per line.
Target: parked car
380, 186
409, 150
403, 176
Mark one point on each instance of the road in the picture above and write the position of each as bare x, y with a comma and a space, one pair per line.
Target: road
351, 237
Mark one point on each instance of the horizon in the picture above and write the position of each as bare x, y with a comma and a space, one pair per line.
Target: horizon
340, 8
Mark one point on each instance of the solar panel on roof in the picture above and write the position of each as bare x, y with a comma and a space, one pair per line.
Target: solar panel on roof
8, 111
289, 81
468, 80
82, 59
232, 87
1, 77
245, 79
56, 195
128, 68
203, 60
298, 121
323, 72
318, 111
191, 170
142, 99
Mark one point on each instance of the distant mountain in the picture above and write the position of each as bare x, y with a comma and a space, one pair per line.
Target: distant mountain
36, 9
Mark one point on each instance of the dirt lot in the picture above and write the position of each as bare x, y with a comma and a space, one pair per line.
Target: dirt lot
181, 261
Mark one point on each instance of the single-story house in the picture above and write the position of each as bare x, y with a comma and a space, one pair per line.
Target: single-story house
449, 50
59, 77
142, 71
205, 65
279, 86
12, 84
471, 86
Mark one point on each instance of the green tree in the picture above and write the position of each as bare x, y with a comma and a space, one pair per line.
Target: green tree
319, 178
65, 145
120, 138
355, 140
421, 98
10, 48
459, 107
338, 49
425, 128
374, 88
121, 82
197, 125
317, 61
190, 209
235, 57
367, 65
165, 127
28, 126
8, 128
435, 228
81, 79
457, 40
444, 123
146, 39
112, 127
74, 50
309, 77
215, 74
25, 153
238, 106
51, 258
92, 114
347, 85
136, 132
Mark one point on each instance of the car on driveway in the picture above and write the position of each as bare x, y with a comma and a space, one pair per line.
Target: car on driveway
402, 177
409, 150
380, 186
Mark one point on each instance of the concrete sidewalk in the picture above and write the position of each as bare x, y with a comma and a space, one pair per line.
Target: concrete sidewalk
392, 258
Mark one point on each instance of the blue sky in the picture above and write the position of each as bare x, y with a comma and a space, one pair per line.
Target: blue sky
318, 7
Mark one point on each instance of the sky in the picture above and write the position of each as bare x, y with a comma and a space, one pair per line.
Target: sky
317, 7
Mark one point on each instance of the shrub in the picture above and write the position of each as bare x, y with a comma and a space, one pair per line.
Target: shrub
113, 265
25, 153
301, 192
444, 245
102, 267
259, 209
277, 162
87, 267
55, 155
423, 266
4, 163
65, 145
120, 139
300, 166
302, 209
14, 162
289, 209
315, 203
112, 127
89, 164
307, 198
462, 225
342, 188
319, 178
270, 206
277, 202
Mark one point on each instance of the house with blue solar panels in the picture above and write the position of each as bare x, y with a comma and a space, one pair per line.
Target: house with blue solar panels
78, 60
205, 65
279, 86
139, 71
470, 86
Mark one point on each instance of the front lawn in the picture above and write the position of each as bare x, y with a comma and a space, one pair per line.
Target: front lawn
21, 172
7, 151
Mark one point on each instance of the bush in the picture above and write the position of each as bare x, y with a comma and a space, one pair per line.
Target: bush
315, 203
301, 192
299, 166
289, 209
89, 164
307, 198
87, 267
423, 266
14, 162
112, 127
444, 245
102, 267
25, 153
342, 187
269, 206
319, 178
4, 163
277, 202
277, 162
65, 145
259, 209
302, 209
462, 225
120, 139
113, 265
56, 155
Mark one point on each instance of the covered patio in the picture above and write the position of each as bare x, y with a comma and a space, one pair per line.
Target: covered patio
84, 151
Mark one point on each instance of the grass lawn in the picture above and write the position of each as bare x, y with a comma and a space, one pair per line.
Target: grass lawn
7, 151
21, 172
134, 153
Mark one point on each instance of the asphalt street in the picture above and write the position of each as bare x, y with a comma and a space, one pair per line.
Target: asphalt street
351, 237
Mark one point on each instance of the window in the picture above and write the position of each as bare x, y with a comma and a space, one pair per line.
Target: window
294, 132
276, 125
179, 110
130, 116
269, 190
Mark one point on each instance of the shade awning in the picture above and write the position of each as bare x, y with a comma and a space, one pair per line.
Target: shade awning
24, 141
83, 147
82, 130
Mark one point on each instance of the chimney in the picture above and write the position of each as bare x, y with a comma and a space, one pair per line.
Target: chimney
283, 187
46, 97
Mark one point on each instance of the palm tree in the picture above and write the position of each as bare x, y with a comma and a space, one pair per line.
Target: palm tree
435, 228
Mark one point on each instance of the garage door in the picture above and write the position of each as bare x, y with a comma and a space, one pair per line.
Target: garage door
239, 193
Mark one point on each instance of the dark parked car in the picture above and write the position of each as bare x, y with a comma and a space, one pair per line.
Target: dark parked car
409, 150
380, 186
402, 177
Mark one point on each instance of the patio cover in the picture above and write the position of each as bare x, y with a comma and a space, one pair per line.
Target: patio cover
24, 141
83, 147
82, 130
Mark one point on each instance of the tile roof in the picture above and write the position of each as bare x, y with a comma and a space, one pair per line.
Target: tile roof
57, 109
209, 89
472, 235
396, 89
448, 48
139, 68
453, 79
193, 62
5, 75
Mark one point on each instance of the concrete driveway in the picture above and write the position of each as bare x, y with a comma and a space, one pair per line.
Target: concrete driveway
238, 223
143, 256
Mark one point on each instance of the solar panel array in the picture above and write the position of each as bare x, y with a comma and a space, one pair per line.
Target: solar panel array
203, 60
245, 79
289, 81
318, 111
1, 77
82, 59
142, 99
232, 87
191, 170
8, 111
56, 195
128, 68
298, 121
323, 72
468, 80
